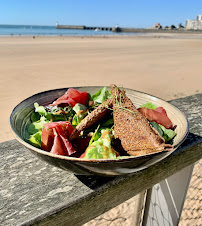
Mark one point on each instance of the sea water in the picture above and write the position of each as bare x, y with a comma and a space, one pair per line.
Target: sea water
24, 30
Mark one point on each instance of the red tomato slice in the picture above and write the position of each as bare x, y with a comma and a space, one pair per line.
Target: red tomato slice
158, 115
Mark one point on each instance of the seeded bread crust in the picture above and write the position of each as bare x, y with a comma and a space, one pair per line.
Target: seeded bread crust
132, 128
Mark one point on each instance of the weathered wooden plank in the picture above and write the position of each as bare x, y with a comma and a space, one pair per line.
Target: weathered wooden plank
121, 189
33, 192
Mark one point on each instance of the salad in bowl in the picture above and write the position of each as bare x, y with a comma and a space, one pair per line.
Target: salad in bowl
105, 125
98, 130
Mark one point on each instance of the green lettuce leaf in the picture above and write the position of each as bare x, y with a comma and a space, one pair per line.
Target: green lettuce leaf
38, 125
77, 119
108, 123
149, 105
81, 112
79, 107
167, 134
35, 116
60, 117
62, 114
101, 149
157, 127
102, 95
35, 139
95, 136
42, 111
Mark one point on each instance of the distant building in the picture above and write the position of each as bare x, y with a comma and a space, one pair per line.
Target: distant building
157, 26
194, 24
199, 17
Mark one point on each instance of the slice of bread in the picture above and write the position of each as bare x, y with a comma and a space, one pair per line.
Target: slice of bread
99, 113
132, 128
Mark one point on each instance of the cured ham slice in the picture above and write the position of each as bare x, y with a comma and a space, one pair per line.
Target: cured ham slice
72, 97
57, 145
55, 138
137, 137
63, 134
47, 138
158, 115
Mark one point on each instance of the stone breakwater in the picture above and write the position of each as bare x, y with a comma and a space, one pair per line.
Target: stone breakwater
128, 30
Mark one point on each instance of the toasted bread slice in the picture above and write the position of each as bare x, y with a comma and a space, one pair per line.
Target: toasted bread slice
132, 128
100, 112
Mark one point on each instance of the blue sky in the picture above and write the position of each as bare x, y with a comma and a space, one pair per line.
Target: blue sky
125, 13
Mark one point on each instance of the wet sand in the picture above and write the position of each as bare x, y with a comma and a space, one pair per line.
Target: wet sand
167, 66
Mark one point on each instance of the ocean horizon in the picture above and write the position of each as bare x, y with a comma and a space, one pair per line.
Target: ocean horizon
48, 30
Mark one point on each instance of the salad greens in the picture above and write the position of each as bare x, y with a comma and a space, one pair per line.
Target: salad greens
41, 116
149, 105
102, 95
101, 148
81, 112
167, 134
42, 111
35, 139
108, 124
38, 125
95, 136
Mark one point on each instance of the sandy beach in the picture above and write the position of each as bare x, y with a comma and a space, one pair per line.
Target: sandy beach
167, 66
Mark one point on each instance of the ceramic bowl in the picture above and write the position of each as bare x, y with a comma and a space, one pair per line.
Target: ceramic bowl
20, 119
